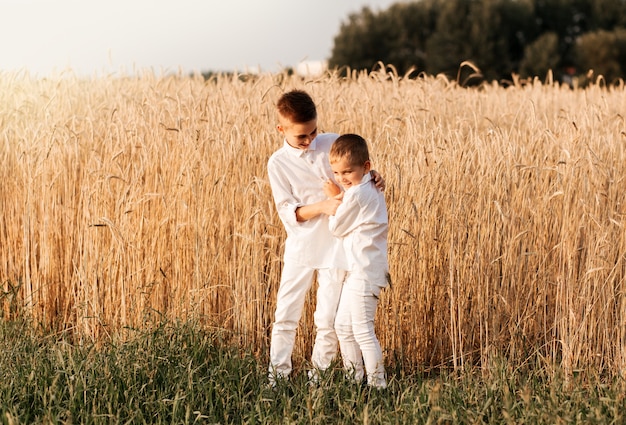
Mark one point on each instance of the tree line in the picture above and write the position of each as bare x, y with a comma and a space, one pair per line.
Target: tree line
580, 39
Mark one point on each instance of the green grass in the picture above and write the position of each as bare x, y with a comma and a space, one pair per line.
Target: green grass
177, 373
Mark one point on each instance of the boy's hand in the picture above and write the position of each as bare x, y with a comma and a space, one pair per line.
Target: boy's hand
329, 206
331, 189
379, 182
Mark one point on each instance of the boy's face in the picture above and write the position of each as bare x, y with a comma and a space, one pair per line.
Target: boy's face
347, 174
298, 135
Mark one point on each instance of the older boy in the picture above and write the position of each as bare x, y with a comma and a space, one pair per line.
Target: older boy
362, 224
298, 172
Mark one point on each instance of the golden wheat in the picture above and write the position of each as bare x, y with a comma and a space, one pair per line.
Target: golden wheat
128, 200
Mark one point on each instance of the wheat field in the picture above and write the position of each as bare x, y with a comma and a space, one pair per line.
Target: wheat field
131, 200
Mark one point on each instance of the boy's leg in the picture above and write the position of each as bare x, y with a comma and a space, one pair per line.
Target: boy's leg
363, 313
350, 351
295, 282
328, 293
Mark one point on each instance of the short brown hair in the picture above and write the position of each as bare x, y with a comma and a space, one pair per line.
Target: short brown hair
350, 146
297, 106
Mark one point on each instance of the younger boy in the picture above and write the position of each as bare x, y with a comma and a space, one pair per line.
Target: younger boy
298, 172
361, 223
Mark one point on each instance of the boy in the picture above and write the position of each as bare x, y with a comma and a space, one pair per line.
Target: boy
362, 225
298, 172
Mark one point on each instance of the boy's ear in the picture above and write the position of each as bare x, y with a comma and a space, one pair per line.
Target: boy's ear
367, 166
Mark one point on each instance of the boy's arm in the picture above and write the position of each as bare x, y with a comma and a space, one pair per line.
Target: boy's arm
346, 219
327, 206
289, 209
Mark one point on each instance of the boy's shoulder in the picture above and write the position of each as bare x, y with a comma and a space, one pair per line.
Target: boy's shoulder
367, 193
326, 138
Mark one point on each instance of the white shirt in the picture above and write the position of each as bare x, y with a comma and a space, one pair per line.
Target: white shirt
362, 224
297, 178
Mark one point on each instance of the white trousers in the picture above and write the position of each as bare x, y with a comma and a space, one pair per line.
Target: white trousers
295, 283
356, 333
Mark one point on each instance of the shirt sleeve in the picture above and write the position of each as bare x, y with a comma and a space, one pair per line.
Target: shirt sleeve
286, 203
346, 219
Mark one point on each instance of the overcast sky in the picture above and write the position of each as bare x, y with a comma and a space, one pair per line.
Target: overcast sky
99, 37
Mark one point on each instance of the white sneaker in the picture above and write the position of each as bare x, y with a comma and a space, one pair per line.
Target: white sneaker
314, 378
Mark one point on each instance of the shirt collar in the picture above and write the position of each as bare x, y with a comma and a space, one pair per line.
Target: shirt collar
367, 177
299, 152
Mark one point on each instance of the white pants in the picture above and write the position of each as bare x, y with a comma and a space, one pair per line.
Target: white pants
356, 333
295, 283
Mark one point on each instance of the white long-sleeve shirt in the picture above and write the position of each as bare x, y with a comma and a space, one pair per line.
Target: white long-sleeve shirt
361, 223
297, 178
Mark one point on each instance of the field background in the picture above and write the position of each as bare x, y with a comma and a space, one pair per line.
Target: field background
129, 201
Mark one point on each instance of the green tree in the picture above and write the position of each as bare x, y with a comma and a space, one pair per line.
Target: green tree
397, 37
444, 50
361, 42
541, 56
518, 27
412, 24
604, 53
569, 19
490, 34
500, 37
606, 14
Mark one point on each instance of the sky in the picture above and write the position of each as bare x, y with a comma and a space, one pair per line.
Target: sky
93, 38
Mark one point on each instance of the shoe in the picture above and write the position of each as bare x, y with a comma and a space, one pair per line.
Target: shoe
274, 379
314, 379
